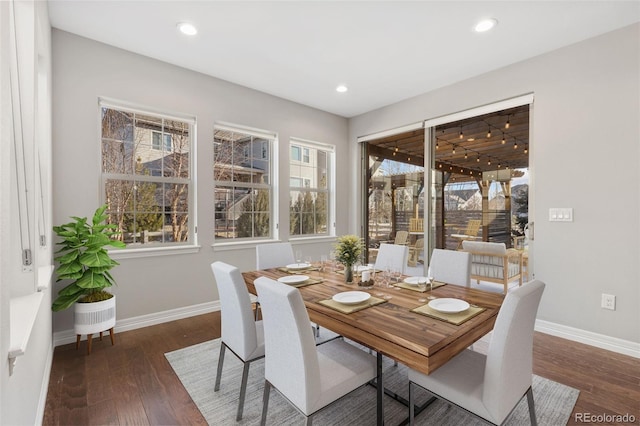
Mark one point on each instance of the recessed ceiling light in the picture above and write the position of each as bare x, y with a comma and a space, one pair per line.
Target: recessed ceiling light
342, 88
485, 25
187, 28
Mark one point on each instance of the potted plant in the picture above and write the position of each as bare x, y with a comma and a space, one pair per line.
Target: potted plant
83, 259
348, 250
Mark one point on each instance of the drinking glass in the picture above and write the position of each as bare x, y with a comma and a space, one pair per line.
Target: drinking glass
298, 256
323, 262
422, 286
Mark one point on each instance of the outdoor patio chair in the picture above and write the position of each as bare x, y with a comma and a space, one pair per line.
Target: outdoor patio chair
471, 233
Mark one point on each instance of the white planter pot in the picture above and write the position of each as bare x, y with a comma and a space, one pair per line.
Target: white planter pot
90, 318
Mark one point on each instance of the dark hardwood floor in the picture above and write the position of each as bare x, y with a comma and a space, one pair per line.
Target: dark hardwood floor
132, 383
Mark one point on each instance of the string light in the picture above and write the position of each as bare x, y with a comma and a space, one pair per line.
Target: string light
489, 132
503, 139
454, 149
461, 136
515, 143
526, 149
465, 155
507, 124
437, 146
489, 162
478, 159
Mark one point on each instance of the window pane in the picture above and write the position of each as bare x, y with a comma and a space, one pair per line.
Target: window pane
241, 209
117, 141
309, 196
147, 208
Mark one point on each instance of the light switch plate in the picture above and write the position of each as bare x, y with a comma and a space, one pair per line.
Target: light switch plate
561, 215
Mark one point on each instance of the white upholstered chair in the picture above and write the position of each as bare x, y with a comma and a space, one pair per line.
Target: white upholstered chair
309, 376
274, 255
451, 267
490, 386
240, 333
392, 256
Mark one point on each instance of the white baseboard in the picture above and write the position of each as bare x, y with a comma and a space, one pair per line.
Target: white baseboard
68, 336
609, 343
613, 344
44, 389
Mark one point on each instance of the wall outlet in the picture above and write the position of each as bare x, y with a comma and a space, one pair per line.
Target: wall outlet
608, 301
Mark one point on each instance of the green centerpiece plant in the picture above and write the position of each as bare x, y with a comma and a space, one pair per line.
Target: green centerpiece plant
348, 250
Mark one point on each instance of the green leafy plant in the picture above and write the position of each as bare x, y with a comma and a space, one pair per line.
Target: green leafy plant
348, 249
83, 259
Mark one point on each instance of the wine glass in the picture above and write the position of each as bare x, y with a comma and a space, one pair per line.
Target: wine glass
323, 262
298, 256
430, 281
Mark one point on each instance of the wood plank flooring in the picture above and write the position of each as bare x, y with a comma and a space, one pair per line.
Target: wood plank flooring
132, 383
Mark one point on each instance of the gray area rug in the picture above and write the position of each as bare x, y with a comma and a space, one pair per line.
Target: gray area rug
196, 368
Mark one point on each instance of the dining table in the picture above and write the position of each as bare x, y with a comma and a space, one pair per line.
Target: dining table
396, 326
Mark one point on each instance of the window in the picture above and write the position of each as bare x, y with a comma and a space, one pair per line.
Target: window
243, 196
311, 175
299, 153
157, 141
146, 176
295, 153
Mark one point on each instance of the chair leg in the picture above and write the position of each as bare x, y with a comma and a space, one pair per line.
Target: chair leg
256, 311
411, 406
265, 402
243, 390
220, 362
532, 408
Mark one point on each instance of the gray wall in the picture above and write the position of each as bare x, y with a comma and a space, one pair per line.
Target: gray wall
85, 70
584, 154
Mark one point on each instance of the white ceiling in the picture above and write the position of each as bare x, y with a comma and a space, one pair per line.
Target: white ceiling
301, 50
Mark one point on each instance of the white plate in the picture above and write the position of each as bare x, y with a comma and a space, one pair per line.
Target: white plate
298, 266
415, 280
293, 279
449, 306
351, 297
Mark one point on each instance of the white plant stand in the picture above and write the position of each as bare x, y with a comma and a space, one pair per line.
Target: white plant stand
96, 317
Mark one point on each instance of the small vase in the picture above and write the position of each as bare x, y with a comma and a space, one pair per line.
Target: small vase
348, 273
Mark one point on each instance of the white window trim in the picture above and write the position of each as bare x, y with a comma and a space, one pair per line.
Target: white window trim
165, 248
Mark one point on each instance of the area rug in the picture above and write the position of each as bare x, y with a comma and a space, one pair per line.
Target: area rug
196, 368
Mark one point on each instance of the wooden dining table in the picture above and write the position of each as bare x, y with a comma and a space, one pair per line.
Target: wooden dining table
391, 329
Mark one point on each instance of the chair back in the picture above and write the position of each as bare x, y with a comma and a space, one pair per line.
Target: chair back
392, 256
401, 237
291, 358
473, 226
416, 225
508, 369
238, 325
451, 267
274, 255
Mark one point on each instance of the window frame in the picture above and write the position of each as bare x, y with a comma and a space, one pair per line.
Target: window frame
270, 155
155, 248
330, 190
